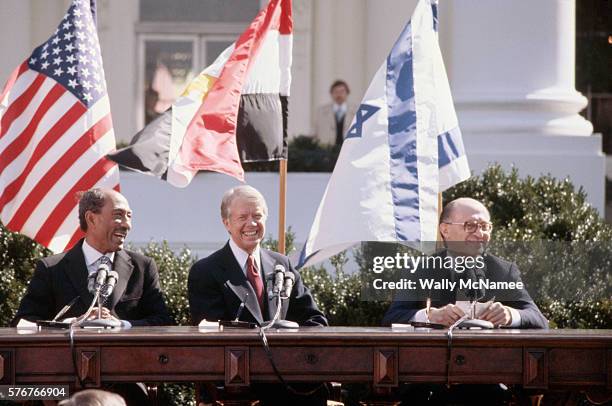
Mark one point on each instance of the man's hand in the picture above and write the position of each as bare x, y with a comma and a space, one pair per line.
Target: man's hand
446, 315
498, 314
93, 314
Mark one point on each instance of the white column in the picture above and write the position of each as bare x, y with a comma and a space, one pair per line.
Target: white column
116, 21
511, 67
338, 35
15, 38
301, 70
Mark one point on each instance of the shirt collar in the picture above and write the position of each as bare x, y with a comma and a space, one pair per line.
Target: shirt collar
92, 255
242, 256
339, 107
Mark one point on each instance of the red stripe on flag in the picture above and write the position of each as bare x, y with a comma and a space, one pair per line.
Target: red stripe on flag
286, 20
62, 166
78, 234
20, 104
210, 141
54, 134
21, 142
68, 202
13, 78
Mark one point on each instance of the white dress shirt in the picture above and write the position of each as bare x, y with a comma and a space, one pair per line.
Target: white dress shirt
242, 256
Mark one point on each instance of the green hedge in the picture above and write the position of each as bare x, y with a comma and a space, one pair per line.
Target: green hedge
521, 209
305, 155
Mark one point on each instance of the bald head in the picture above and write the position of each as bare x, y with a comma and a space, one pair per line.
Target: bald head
465, 226
461, 205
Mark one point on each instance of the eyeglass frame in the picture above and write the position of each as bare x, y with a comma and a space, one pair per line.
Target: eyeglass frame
479, 225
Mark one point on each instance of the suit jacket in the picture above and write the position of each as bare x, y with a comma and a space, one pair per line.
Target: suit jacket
403, 309
60, 278
217, 285
325, 122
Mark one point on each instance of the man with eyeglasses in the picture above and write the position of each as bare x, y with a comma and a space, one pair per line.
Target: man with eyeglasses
466, 228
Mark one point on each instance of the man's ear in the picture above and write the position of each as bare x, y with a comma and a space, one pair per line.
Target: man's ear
226, 224
90, 218
443, 230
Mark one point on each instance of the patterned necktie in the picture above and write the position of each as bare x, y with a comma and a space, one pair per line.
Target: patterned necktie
104, 260
255, 280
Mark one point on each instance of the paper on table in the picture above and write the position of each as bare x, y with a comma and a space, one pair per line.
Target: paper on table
23, 323
208, 325
399, 326
480, 308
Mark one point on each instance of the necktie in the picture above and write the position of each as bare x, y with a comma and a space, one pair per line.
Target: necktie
255, 280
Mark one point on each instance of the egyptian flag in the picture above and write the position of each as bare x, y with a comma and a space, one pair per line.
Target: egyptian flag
234, 111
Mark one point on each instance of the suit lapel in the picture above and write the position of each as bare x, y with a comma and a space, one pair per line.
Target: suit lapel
239, 284
124, 267
77, 272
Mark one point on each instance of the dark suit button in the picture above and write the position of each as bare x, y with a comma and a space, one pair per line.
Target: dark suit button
163, 359
460, 360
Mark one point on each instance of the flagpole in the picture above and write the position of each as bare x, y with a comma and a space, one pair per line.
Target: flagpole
282, 205
439, 244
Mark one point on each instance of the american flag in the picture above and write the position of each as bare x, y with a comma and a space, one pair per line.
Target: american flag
55, 131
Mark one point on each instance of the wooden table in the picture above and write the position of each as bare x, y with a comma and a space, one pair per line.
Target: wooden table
381, 357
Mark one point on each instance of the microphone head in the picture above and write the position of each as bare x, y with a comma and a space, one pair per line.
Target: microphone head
112, 277
288, 286
101, 274
91, 282
279, 273
109, 284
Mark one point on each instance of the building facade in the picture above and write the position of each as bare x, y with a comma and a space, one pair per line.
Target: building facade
511, 67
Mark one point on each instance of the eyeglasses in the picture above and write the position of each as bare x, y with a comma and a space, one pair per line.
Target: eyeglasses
472, 226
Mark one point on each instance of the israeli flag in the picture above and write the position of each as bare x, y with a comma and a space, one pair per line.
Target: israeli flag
403, 147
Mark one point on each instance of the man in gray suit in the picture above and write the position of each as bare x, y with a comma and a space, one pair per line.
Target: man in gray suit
333, 119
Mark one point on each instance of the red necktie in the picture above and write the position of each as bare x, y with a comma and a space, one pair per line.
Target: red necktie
255, 280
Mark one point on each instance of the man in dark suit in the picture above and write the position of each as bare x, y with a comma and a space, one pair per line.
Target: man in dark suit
466, 229
242, 271
136, 300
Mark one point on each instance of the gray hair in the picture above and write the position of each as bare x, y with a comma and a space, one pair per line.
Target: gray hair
94, 397
243, 191
92, 200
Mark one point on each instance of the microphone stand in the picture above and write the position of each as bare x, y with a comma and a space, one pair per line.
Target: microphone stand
275, 322
99, 322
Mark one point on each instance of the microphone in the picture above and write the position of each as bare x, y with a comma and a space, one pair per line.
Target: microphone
288, 287
470, 275
279, 276
109, 284
98, 278
479, 274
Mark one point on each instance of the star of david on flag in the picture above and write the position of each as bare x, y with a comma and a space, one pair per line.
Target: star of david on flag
402, 149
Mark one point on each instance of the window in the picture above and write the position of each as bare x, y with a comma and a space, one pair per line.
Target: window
177, 40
